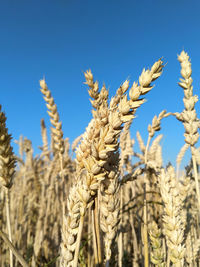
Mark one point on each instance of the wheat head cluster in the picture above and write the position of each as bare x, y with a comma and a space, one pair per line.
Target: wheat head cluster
89, 203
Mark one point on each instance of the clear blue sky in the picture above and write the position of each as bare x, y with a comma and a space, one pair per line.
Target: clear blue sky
61, 39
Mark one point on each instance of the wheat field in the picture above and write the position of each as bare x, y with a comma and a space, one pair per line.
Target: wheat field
87, 203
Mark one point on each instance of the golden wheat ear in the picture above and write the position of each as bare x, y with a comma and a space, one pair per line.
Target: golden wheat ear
54, 117
7, 169
189, 116
7, 158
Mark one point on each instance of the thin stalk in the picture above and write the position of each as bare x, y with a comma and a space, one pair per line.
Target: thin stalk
94, 240
15, 252
97, 230
78, 242
164, 250
145, 231
89, 253
120, 239
8, 222
135, 243
168, 259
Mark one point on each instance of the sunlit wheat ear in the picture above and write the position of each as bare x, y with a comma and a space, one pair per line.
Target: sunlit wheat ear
99, 99
54, 117
155, 152
79, 197
181, 155
70, 229
188, 116
155, 144
126, 148
108, 121
121, 110
76, 142
7, 160
20, 144
154, 155
109, 207
97, 155
156, 123
154, 127
7, 169
174, 217
192, 249
157, 253
140, 142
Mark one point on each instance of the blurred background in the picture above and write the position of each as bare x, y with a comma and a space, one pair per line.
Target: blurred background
61, 39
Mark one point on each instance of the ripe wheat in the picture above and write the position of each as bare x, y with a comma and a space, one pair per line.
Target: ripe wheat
101, 208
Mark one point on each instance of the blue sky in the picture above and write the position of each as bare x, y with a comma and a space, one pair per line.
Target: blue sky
61, 39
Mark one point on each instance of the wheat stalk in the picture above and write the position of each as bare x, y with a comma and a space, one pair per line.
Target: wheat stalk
13, 249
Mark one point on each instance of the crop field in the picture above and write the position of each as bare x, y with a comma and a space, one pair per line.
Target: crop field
88, 204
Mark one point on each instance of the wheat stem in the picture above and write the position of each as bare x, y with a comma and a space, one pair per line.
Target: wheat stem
120, 238
145, 231
78, 241
8, 222
97, 230
15, 252
96, 258
89, 253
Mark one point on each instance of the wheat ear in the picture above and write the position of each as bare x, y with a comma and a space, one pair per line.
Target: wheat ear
180, 157
120, 109
7, 169
70, 229
188, 116
99, 146
174, 218
126, 147
53, 113
56, 130
157, 255
57, 133
79, 200
154, 127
